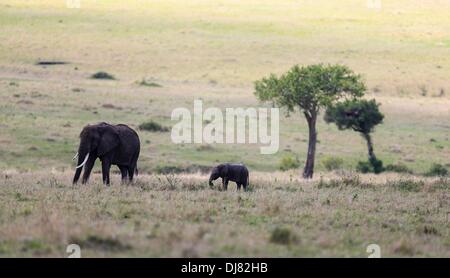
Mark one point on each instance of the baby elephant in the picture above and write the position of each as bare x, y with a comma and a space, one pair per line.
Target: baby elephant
230, 172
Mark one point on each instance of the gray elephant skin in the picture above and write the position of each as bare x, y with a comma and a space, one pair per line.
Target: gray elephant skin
237, 173
113, 145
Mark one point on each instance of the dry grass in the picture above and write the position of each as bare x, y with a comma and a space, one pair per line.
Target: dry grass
165, 216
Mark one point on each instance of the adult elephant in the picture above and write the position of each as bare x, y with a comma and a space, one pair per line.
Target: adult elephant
113, 144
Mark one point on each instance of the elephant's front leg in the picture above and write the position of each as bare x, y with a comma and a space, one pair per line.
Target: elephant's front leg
106, 166
225, 183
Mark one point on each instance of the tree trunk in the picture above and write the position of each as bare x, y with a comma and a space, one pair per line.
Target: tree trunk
308, 171
369, 146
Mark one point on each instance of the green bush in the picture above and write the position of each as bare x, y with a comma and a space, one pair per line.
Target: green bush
398, 168
363, 167
371, 166
282, 235
437, 170
289, 162
333, 163
153, 127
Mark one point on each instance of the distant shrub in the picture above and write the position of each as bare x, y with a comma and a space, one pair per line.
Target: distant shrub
102, 75
282, 235
77, 90
205, 148
398, 168
371, 166
153, 126
363, 167
333, 163
146, 83
289, 162
437, 170
111, 106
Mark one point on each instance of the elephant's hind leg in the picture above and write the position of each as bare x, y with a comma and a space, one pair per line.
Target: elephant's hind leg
131, 170
124, 172
245, 185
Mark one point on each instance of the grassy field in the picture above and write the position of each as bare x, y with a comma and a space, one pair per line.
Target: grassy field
165, 216
214, 51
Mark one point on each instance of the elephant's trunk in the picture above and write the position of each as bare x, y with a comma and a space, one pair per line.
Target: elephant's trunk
77, 175
210, 181
84, 161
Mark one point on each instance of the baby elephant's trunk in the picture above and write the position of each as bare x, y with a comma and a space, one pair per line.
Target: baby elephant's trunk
210, 181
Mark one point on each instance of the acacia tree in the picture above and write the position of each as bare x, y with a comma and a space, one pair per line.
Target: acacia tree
361, 116
310, 88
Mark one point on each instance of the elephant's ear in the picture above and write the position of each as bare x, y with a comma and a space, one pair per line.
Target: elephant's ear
109, 140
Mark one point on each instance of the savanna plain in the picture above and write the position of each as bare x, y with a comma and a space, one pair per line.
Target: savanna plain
161, 55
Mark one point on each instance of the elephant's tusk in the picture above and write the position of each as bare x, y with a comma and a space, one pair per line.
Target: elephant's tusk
75, 156
84, 162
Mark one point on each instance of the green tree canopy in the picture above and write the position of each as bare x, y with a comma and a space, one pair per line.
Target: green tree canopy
310, 88
361, 116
